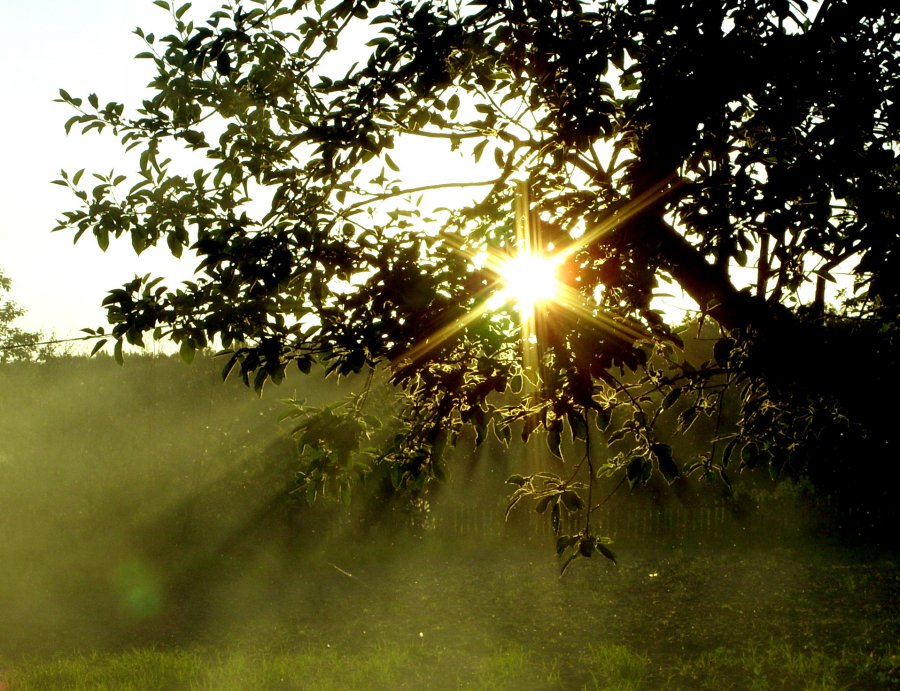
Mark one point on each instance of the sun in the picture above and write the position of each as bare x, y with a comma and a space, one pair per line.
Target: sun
529, 279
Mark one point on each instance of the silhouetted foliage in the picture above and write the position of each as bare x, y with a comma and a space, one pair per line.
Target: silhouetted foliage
18, 344
746, 152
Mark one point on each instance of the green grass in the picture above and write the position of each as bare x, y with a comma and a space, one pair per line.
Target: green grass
608, 666
255, 668
780, 667
742, 619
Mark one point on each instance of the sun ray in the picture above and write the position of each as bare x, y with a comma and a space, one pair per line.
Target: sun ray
530, 299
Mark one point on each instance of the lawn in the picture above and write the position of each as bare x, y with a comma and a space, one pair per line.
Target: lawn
495, 617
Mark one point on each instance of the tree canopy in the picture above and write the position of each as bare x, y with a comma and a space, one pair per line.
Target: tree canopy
743, 152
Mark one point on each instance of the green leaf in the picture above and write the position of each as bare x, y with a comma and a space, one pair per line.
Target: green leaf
187, 351
117, 352
390, 163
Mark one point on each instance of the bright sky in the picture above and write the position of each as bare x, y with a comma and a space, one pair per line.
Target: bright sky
85, 46
82, 46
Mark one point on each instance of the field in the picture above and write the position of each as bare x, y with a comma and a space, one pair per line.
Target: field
149, 540
807, 617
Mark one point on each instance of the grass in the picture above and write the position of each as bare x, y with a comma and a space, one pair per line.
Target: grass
237, 670
608, 666
764, 619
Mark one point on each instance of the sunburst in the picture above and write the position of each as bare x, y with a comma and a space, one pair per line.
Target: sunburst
529, 279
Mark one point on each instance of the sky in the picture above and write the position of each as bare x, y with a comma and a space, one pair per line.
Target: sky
85, 47
82, 46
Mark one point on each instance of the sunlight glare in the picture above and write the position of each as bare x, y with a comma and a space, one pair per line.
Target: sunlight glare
529, 279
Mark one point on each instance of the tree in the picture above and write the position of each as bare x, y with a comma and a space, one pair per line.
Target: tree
16, 344
604, 134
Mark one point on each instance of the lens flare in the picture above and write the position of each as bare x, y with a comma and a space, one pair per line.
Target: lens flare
529, 279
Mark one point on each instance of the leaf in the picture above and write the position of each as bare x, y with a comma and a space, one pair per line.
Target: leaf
634, 472
578, 425
607, 552
453, 102
259, 380
479, 150
586, 546
775, 468
117, 352
604, 417
544, 502
670, 398
725, 479
568, 561
390, 163
750, 455
187, 351
729, 448
617, 435
666, 463
554, 441
223, 63
498, 157
686, 418
722, 350
562, 542
518, 480
572, 501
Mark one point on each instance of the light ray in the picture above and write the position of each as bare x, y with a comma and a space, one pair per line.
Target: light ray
528, 244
